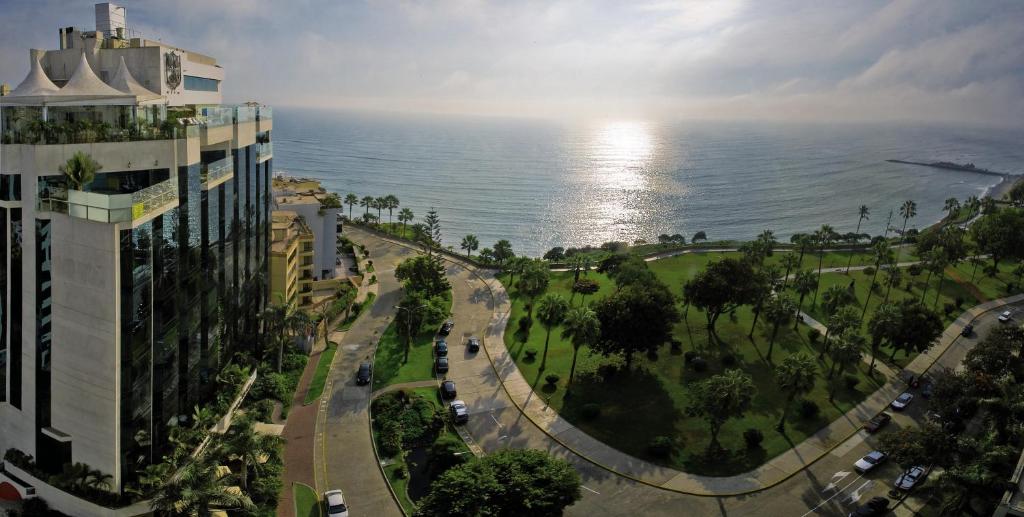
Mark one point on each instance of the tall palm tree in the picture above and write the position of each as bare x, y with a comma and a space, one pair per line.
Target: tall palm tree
935, 262
951, 207
551, 311
795, 377
846, 353
79, 170
764, 287
582, 328
907, 210
824, 237
862, 213
351, 200
470, 243
883, 324
391, 203
380, 204
843, 319
198, 489
249, 446
778, 312
791, 262
883, 255
804, 283
366, 202
404, 217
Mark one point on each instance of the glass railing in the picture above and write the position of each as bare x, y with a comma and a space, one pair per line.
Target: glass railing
216, 116
264, 113
88, 124
264, 151
212, 172
111, 208
245, 114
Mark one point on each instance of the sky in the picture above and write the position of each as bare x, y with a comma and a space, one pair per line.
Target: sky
926, 60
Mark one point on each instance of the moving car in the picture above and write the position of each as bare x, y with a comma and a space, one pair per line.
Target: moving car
473, 344
968, 330
876, 506
448, 390
877, 422
441, 365
460, 413
911, 477
902, 401
335, 502
363, 375
446, 328
1005, 316
441, 348
870, 461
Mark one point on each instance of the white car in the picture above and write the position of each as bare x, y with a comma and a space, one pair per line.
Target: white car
911, 477
460, 413
872, 460
902, 401
1005, 316
335, 502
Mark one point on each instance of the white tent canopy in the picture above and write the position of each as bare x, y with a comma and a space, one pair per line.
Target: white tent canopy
124, 82
33, 88
84, 87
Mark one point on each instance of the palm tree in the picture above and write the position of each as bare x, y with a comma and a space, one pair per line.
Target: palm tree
764, 284
795, 377
778, 312
804, 242
380, 204
391, 203
366, 202
935, 262
470, 243
196, 490
824, 237
972, 203
803, 284
951, 207
404, 217
883, 255
845, 354
79, 170
791, 262
907, 211
883, 324
351, 200
551, 311
250, 447
835, 296
862, 213
582, 328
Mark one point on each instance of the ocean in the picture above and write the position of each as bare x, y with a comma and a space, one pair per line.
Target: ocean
542, 183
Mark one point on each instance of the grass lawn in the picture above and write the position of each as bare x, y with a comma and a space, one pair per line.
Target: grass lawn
651, 400
990, 287
390, 366
307, 503
356, 311
323, 366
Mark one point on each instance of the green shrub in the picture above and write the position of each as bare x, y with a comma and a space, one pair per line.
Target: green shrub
809, 409
525, 323
262, 410
869, 271
851, 381
753, 437
590, 411
552, 378
531, 354
390, 438
660, 446
271, 385
400, 472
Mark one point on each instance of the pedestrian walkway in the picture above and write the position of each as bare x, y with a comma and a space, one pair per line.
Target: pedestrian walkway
882, 368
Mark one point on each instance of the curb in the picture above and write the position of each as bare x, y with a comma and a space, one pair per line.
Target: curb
295, 500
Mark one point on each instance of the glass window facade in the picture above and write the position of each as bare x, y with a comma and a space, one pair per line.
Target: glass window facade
4, 325
10, 187
14, 302
201, 84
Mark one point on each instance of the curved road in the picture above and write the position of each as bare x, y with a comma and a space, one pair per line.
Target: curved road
828, 487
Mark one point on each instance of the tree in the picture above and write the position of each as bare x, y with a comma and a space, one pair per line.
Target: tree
585, 287
507, 483
804, 243
391, 203
637, 318
331, 200
766, 281
243, 442
913, 445
1000, 235
633, 270
719, 398
862, 213
366, 202
197, 489
415, 310
935, 262
883, 255
424, 274
351, 200
551, 310
824, 237
778, 313
908, 210
951, 207
721, 287
791, 262
432, 227
795, 377
514, 266
581, 328
79, 170
533, 282
555, 254
404, 216
804, 283
882, 327
845, 354
470, 243
699, 236
842, 320
503, 251
919, 326
579, 264
380, 204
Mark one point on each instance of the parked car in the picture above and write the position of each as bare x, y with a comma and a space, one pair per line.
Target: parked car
473, 344
441, 365
911, 477
446, 328
967, 330
1005, 316
876, 506
460, 413
441, 348
879, 421
926, 389
363, 375
870, 461
902, 401
335, 502
448, 390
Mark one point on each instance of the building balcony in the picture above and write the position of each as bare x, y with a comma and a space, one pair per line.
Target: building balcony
58, 125
307, 288
113, 208
264, 151
218, 172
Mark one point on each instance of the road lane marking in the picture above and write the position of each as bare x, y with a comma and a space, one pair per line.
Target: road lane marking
833, 496
590, 489
856, 495
837, 478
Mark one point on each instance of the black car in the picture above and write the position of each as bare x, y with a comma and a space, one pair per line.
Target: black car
926, 389
363, 375
968, 330
441, 348
876, 506
877, 422
441, 365
448, 390
446, 328
473, 344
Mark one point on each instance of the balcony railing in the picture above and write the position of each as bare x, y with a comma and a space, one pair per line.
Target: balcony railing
89, 125
112, 208
212, 173
264, 113
264, 151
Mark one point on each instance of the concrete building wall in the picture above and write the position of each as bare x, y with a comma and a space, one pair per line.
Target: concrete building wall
325, 237
86, 362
